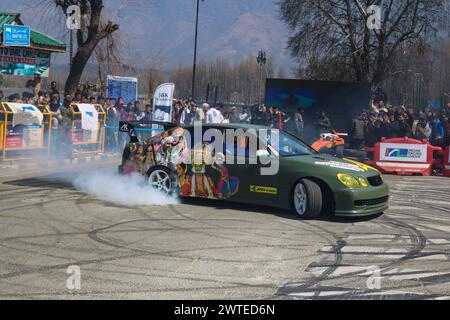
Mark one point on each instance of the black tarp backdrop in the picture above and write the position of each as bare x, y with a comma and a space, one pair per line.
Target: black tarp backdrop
340, 100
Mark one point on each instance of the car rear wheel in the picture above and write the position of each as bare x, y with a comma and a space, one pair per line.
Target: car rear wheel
161, 179
307, 199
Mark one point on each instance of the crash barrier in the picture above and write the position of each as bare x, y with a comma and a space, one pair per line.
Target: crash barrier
88, 134
25, 131
446, 167
404, 156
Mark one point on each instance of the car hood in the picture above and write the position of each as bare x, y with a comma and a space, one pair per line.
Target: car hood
330, 164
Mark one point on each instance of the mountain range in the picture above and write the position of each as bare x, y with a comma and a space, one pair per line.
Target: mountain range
163, 30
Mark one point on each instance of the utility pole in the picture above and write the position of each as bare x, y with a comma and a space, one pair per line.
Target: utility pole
262, 60
195, 50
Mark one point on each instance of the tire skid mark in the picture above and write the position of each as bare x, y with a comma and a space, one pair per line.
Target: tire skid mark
417, 243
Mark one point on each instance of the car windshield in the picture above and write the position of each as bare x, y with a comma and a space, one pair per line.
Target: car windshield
288, 145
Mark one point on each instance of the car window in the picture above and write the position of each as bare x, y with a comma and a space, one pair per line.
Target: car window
288, 145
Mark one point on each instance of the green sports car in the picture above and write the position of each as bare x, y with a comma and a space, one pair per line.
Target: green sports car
257, 165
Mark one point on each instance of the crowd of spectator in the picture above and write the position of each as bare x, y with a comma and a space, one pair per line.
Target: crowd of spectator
62, 115
367, 127
370, 127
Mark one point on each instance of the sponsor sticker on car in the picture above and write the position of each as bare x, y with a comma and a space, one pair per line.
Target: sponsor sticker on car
265, 190
340, 165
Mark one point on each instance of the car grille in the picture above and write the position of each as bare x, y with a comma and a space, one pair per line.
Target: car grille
371, 202
375, 181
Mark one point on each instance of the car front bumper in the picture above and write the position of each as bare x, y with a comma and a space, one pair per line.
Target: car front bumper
362, 201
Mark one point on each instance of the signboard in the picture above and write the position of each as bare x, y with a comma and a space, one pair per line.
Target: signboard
162, 104
80, 136
122, 87
24, 62
32, 137
399, 152
13, 141
16, 35
434, 104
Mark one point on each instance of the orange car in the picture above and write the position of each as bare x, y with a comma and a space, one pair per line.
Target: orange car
330, 141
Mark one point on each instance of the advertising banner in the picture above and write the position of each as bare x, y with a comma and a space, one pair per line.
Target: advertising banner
89, 116
162, 103
32, 137
16, 35
14, 141
25, 114
399, 152
24, 62
122, 87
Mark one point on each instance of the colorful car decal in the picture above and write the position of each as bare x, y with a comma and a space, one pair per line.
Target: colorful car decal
170, 150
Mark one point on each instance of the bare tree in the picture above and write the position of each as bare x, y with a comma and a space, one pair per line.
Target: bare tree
92, 31
233, 82
154, 74
335, 39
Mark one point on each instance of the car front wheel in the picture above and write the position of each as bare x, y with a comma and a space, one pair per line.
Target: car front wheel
307, 199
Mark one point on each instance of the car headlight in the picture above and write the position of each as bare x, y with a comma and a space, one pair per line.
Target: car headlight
363, 182
348, 180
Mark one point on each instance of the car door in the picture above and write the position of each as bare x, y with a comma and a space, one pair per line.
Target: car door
198, 178
254, 187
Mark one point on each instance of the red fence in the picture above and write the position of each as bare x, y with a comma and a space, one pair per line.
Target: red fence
446, 163
404, 156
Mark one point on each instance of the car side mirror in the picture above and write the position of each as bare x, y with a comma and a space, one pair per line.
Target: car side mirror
263, 157
262, 154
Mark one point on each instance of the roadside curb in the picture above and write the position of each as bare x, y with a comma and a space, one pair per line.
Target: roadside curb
54, 163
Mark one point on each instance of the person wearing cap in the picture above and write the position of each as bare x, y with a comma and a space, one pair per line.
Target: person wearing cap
212, 115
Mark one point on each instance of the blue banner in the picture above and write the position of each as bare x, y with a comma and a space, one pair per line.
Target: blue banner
122, 87
16, 36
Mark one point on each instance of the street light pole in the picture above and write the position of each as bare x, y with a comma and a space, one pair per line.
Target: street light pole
195, 51
261, 59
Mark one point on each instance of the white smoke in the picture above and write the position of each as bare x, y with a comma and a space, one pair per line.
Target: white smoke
124, 190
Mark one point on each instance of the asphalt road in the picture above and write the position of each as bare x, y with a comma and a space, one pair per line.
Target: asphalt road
213, 250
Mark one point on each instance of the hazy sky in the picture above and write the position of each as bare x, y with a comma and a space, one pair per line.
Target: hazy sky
165, 28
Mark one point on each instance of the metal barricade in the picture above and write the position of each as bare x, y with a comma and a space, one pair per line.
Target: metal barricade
24, 141
88, 142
